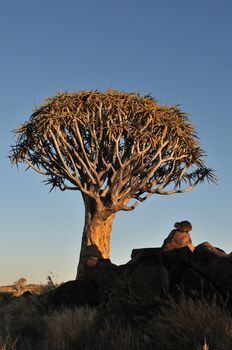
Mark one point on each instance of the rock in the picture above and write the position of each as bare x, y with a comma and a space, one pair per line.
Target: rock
90, 289
176, 261
99, 271
197, 284
149, 282
75, 293
148, 278
205, 253
220, 271
176, 273
179, 237
180, 256
145, 255
188, 271
151, 275
149, 256
106, 275
146, 252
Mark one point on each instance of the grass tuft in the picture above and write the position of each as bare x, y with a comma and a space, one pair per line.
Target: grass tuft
28, 323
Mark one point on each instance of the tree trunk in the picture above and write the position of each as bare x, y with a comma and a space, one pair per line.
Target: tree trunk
96, 233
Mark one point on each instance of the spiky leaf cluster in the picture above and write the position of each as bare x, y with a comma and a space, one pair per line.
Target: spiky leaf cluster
112, 146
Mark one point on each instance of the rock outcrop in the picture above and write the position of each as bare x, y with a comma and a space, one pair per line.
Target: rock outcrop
152, 275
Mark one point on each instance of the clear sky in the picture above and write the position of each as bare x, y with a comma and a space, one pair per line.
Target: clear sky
180, 51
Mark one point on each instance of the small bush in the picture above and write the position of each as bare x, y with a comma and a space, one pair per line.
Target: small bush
50, 285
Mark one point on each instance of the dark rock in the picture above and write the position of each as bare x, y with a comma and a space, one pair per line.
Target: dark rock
205, 253
75, 293
147, 277
220, 271
145, 255
176, 261
96, 273
90, 289
181, 257
197, 284
93, 267
149, 282
151, 275
176, 274
106, 276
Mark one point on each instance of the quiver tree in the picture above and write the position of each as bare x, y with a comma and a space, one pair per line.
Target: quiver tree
116, 148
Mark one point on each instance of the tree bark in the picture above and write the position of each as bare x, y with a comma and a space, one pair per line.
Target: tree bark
96, 233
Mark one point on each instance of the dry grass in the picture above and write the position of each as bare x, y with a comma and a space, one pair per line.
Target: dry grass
27, 324
21, 323
67, 328
192, 325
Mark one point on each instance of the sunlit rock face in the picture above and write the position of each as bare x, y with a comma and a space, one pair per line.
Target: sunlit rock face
179, 237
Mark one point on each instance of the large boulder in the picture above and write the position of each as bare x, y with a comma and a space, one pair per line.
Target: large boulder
220, 271
75, 293
148, 278
179, 237
145, 255
215, 268
149, 283
201, 272
204, 254
107, 276
90, 289
197, 284
176, 261
100, 272
179, 256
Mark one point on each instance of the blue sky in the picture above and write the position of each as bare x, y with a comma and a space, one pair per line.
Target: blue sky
180, 51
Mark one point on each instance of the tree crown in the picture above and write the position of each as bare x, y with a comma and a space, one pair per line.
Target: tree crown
112, 146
